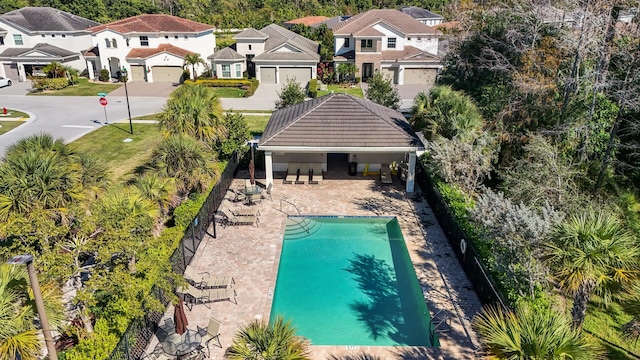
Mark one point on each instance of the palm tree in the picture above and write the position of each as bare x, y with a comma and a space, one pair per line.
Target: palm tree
54, 69
276, 341
193, 110
592, 252
447, 113
18, 334
42, 142
530, 333
192, 60
155, 188
184, 159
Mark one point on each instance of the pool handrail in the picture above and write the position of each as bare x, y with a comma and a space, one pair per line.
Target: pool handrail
301, 223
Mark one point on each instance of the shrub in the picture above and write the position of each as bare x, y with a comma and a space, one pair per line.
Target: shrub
42, 84
254, 83
358, 80
104, 75
313, 88
187, 211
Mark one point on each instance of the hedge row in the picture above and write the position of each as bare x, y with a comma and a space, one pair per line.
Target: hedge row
248, 85
42, 84
313, 88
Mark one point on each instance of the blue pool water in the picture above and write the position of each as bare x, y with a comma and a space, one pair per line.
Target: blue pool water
350, 282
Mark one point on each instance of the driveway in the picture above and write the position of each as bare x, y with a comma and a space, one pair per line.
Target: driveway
16, 88
141, 88
263, 99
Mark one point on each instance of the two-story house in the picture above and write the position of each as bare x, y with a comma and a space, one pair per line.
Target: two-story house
150, 47
32, 37
423, 15
272, 55
391, 42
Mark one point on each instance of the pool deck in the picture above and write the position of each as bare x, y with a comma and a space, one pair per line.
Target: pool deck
250, 254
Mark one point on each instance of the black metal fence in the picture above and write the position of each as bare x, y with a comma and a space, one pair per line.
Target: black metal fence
136, 338
470, 260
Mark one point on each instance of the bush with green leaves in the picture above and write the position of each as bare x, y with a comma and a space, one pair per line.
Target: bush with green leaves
237, 135
313, 88
43, 84
382, 91
104, 75
291, 93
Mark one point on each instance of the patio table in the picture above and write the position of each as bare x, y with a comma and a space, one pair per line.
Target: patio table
250, 192
180, 345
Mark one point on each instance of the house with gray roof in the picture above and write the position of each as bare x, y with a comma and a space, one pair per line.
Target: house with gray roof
274, 54
391, 42
423, 15
336, 129
32, 37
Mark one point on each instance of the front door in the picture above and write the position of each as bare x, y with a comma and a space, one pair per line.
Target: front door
251, 67
367, 71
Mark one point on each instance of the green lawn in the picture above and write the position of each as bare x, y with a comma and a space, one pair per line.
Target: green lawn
257, 123
228, 92
83, 88
605, 324
11, 113
147, 117
6, 126
121, 157
355, 91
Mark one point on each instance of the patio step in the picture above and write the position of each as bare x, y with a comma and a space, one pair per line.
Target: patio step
300, 227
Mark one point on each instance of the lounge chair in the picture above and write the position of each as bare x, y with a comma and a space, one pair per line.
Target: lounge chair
239, 211
192, 296
223, 294
292, 173
203, 280
385, 174
230, 218
210, 333
303, 176
237, 195
316, 174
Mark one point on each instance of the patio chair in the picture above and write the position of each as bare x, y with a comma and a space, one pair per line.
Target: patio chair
211, 282
292, 173
385, 174
192, 296
223, 294
169, 327
267, 192
240, 211
237, 195
230, 218
210, 333
303, 176
316, 174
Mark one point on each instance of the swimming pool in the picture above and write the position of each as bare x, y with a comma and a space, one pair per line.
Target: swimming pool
350, 281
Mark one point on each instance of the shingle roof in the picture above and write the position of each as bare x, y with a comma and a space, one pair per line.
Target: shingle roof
44, 48
153, 23
226, 54
393, 18
92, 52
338, 120
278, 37
307, 21
331, 23
47, 19
408, 53
143, 53
420, 13
250, 33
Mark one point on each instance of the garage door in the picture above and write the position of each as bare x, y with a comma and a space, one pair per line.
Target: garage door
420, 76
166, 73
301, 75
11, 71
390, 73
267, 75
137, 73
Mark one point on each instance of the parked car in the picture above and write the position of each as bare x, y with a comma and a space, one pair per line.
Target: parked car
5, 82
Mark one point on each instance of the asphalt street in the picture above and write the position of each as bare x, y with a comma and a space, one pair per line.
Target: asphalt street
71, 117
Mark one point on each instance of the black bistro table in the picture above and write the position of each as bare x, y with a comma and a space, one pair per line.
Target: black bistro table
180, 345
250, 192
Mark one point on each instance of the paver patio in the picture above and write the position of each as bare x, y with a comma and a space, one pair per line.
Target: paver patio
251, 255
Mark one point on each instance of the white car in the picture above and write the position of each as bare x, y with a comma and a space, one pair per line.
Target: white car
5, 82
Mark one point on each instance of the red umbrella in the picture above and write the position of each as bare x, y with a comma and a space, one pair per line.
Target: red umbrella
180, 318
252, 172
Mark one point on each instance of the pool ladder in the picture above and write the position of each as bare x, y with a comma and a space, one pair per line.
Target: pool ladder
436, 322
303, 224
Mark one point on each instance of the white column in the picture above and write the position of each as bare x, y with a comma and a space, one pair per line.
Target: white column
268, 164
401, 75
22, 75
277, 74
92, 74
411, 176
148, 72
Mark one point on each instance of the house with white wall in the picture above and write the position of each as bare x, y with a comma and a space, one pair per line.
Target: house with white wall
390, 42
423, 15
150, 47
272, 55
32, 37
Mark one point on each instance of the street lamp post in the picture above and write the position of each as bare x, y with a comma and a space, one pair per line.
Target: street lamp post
126, 94
37, 294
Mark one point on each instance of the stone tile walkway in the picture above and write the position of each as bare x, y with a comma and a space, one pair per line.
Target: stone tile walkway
251, 254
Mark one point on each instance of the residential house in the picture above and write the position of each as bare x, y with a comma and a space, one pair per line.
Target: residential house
228, 64
150, 47
391, 42
272, 55
422, 15
306, 21
32, 37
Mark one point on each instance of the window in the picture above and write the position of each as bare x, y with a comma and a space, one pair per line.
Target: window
238, 71
43, 35
226, 71
347, 42
127, 41
114, 43
391, 43
107, 42
249, 46
63, 35
186, 37
176, 37
166, 36
366, 44
408, 39
53, 35
1, 40
144, 41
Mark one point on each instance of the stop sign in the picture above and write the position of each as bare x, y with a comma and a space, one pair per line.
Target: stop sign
103, 101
